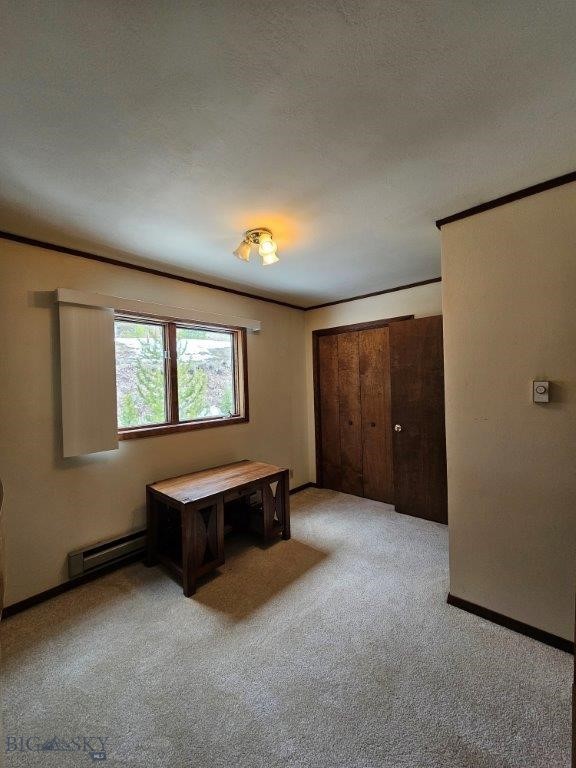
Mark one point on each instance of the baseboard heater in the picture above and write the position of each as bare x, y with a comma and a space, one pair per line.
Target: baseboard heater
105, 553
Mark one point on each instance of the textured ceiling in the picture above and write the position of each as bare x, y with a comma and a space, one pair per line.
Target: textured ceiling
156, 132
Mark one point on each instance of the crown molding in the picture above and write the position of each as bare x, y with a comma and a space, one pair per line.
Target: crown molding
535, 189
375, 293
193, 281
139, 268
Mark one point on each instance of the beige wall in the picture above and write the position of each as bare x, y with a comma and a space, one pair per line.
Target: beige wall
54, 505
423, 301
509, 282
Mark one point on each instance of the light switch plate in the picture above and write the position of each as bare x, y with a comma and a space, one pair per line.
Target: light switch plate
541, 391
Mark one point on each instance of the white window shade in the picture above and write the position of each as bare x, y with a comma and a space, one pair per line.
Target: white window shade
139, 307
88, 379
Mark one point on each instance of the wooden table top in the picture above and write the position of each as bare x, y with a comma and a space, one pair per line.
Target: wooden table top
210, 482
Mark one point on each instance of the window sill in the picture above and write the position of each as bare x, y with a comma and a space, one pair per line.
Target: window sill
167, 429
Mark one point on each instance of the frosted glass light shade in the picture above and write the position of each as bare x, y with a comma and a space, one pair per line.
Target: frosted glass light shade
243, 251
269, 258
267, 245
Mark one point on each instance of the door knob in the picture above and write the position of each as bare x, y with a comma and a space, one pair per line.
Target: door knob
350, 422
372, 423
397, 428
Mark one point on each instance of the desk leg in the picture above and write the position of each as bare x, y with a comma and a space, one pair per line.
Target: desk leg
276, 506
219, 554
202, 541
189, 564
285, 490
268, 510
151, 529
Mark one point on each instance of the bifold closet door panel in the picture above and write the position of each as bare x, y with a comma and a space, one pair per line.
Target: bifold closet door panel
374, 359
350, 414
417, 381
329, 411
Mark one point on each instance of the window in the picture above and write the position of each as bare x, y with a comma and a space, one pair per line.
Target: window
174, 376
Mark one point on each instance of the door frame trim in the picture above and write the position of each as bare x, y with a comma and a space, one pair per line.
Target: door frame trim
316, 378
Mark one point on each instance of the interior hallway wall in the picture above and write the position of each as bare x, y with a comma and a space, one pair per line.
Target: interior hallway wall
509, 281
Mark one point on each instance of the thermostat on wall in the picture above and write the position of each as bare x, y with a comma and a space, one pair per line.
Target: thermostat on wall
541, 391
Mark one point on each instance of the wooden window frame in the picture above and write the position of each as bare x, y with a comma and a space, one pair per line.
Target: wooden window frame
174, 424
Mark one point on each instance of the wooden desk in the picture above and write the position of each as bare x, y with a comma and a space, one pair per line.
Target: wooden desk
198, 499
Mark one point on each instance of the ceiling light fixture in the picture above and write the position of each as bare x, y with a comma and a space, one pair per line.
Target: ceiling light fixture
262, 238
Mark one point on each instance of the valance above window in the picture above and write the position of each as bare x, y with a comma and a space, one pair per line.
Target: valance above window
143, 308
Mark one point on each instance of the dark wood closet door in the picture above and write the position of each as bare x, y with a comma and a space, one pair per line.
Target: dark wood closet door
350, 414
419, 455
374, 359
329, 398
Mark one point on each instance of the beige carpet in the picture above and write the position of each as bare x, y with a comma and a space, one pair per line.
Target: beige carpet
333, 650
